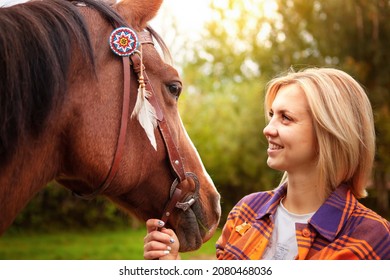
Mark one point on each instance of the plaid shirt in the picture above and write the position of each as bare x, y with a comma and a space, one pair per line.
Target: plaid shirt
342, 228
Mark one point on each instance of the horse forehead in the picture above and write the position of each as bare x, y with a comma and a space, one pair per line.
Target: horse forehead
155, 64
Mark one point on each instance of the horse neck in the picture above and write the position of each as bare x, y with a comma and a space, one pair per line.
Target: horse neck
29, 170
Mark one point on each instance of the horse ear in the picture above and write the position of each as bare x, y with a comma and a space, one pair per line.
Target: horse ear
138, 12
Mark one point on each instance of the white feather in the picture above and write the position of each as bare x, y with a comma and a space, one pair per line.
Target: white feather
146, 115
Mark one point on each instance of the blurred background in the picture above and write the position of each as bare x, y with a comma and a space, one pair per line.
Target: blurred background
226, 51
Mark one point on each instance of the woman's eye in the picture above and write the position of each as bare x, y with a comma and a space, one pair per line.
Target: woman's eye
175, 89
286, 118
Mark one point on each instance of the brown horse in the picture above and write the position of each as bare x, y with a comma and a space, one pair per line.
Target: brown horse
67, 114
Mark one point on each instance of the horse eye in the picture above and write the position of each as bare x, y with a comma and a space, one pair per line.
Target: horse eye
175, 89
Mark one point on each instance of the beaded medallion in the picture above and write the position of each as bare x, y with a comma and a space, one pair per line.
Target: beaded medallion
123, 41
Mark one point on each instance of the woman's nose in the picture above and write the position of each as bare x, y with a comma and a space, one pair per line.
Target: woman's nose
270, 130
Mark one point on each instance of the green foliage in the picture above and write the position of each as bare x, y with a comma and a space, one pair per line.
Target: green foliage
226, 127
55, 208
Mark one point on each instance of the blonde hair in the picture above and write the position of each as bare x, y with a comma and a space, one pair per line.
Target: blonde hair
343, 122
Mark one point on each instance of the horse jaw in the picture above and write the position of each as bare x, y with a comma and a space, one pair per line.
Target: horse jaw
141, 10
197, 212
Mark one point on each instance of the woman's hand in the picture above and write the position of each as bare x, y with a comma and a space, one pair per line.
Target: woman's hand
163, 244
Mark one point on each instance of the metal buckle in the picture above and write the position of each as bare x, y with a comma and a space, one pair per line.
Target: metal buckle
192, 198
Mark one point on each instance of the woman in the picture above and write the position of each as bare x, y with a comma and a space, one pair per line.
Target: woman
321, 134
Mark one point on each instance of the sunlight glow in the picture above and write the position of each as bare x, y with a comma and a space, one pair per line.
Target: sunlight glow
192, 15
181, 23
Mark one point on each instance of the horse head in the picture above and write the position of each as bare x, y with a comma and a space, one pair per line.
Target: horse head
71, 109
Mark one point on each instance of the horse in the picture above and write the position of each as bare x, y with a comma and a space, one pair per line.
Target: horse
88, 100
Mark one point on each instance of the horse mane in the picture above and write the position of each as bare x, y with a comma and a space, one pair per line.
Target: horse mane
37, 40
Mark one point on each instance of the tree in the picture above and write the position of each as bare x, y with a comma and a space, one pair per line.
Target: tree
243, 47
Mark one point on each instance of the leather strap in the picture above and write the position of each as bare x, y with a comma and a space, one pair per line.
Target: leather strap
145, 37
171, 205
176, 161
173, 152
121, 137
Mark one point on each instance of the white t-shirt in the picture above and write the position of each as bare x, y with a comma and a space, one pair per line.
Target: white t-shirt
283, 244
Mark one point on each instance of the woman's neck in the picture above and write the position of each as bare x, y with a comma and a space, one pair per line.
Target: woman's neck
303, 195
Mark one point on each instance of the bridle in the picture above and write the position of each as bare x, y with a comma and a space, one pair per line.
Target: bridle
175, 158
134, 61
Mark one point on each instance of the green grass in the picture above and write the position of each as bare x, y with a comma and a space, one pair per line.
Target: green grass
126, 244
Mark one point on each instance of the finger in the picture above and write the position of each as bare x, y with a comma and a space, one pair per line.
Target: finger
166, 236
172, 235
162, 236
173, 239
156, 250
152, 255
153, 224
157, 236
156, 246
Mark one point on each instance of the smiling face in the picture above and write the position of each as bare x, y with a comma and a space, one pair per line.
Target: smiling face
290, 132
